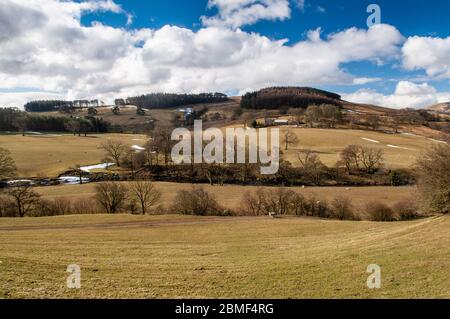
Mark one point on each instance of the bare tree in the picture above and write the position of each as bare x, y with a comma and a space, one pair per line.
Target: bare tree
150, 152
330, 114
397, 122
350, 156
25, 199
253, 203
74, 126
371, 158
111, 196
115, 150
433, 171
279, 201
297, 115
312, 114
374, 121
162, 142
311, 165
342, 208
263, 202
20, 122
196, 201
7, 166
146, 194
355, 157
289, 139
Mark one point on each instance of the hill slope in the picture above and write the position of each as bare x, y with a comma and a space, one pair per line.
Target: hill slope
442, 107
288, 97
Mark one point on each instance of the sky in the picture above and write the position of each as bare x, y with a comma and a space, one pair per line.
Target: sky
106, 49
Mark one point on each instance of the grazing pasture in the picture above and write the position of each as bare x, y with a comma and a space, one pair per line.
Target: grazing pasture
48, 155
231, 195
125, 256
400, 150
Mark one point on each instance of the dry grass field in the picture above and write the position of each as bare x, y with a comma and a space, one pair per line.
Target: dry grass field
231, 195
124, 256
51, 155
401, 151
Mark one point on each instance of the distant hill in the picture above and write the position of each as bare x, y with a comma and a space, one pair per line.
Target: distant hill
442, 107
302, 97
288, 97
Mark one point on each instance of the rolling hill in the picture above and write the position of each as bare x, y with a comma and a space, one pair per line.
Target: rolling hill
442, 107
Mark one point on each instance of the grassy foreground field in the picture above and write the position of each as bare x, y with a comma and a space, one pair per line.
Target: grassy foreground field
231, 195
126, 256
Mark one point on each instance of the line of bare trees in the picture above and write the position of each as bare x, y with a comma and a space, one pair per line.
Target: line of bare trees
139, 197
136, 197
357, 165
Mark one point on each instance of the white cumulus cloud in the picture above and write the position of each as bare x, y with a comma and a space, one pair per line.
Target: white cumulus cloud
406, 95
47, 48
237, 13
429, 54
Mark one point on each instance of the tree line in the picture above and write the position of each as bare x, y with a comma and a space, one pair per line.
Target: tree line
59, 105
166, 100
12, 119
45, 105
144, 197
359, 165
288, 97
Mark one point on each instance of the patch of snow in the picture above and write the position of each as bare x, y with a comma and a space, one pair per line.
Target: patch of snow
20, 181
138, 148
370, 140
399, 147
88, 169
42, 134
438, 141
409, 134
73, 180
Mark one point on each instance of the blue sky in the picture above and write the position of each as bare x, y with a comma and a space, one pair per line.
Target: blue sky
407, 62
418, 18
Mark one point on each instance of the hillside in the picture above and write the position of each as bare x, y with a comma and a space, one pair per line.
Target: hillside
288, 97
273, 102
442, 107
53, 154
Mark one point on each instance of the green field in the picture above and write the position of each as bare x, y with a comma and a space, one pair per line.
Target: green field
126, 256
